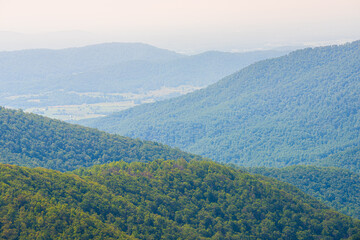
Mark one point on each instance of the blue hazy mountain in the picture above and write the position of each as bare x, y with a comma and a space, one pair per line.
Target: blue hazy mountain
108, 68
295, 109
197, 70
30, 71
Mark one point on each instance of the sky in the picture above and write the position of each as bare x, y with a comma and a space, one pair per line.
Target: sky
183, 26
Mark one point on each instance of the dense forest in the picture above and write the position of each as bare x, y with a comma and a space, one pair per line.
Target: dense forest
294, 109
348, 158
45, 204
337, 188
161, 200
35, 141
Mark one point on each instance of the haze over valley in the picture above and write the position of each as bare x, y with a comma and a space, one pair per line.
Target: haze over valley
96, 80
179, 120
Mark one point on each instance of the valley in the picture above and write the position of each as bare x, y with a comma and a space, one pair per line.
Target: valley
98, 80
179, 120
296, 114
95, 104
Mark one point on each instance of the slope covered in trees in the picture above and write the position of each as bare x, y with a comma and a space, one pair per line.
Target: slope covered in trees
338, 188
35, 141
348, 158
294, 109
161, 200
45, 204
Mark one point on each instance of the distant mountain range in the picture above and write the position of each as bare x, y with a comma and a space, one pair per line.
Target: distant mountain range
198, 70
43, 77
302, 108
32, 71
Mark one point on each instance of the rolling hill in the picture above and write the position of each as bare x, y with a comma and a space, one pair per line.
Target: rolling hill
160, 200
35, 141
44, 204
38, 70
295, 109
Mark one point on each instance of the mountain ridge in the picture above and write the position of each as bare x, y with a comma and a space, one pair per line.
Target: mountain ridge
70, 69
271, 113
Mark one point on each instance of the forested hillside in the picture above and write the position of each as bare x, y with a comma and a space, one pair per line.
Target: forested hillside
348, 158
161, 200
294, 109
35, 141
338, 188
45, 204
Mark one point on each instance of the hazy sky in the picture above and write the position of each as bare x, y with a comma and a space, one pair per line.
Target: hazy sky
186, 25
